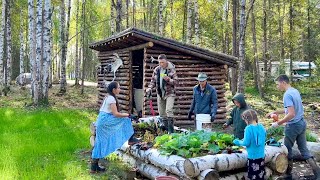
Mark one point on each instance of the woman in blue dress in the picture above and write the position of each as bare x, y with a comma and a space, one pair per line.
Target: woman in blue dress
113, 128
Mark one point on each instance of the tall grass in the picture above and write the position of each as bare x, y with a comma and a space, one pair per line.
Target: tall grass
42, 144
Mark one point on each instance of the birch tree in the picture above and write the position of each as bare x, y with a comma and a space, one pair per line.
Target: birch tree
32, 50
161, 23
196, 23
189, 20
9, 47
21, 64
233, 79
3, 27
39, 54
242, 34
63, 83
77, 63
46, 49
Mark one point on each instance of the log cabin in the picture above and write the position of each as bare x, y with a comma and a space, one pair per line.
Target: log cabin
138, 49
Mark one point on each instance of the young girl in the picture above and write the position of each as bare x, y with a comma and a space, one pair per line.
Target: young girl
254, 140
113, 128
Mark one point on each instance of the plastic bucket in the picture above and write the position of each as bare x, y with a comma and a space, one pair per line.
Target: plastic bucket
203, 122
166, 178
138, 98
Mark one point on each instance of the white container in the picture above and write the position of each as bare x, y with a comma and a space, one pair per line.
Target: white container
138, 98
203, 122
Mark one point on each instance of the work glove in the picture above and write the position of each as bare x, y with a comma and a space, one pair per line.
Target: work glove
236, 142
189, 115
274, 125
212, 117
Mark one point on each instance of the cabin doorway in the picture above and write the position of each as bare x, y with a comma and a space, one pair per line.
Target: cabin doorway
137, 81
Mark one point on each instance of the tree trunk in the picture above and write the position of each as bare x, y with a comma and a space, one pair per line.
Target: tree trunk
290, 40
208, 174
172, 18
9, 47
112, 20
68, 26
21, 64
242, 30
32, 49
226, 28
2, 35
46, 50
134, 22
233, 79
264, 54
173, 163
39, 53
148, 170
144, 15
189, 20
161, 23
63, 83
313, 147
77, 61
119, 15
196, 23
226, 162
83, 45
127, 13
256, 69
279, 163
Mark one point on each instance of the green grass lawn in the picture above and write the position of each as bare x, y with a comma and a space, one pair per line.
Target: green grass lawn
43, 144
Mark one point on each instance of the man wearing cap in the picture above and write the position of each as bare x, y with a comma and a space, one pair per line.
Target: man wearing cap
204, 98
164, 78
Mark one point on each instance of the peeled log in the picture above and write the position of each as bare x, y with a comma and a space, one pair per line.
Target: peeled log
243, 175
173, 163
226, 162
313, 147
279, 163
148, 170
208, 174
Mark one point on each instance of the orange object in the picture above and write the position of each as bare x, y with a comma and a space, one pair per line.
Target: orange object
274, 117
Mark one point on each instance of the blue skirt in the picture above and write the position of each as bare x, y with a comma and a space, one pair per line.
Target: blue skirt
111, 133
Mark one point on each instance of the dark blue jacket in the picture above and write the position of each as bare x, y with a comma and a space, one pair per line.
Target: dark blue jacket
205, 104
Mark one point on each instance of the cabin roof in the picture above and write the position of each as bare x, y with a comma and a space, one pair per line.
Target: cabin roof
133, 37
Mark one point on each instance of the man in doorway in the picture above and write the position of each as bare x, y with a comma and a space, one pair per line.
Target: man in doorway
164, 78
295, 128
205, 99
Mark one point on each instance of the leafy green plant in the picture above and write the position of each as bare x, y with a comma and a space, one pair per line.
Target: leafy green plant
194, 144
310, 137
276, 133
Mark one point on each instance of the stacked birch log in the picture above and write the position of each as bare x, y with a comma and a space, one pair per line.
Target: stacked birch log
151, 163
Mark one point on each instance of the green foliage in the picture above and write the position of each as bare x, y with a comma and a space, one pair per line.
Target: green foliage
310, 137
276, 133
193, 144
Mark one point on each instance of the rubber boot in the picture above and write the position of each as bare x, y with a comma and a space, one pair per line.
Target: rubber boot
315, 168
170, 125
288, 175
164, 127
95, 168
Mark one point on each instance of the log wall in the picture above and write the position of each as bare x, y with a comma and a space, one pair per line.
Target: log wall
187, 68
123, 76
